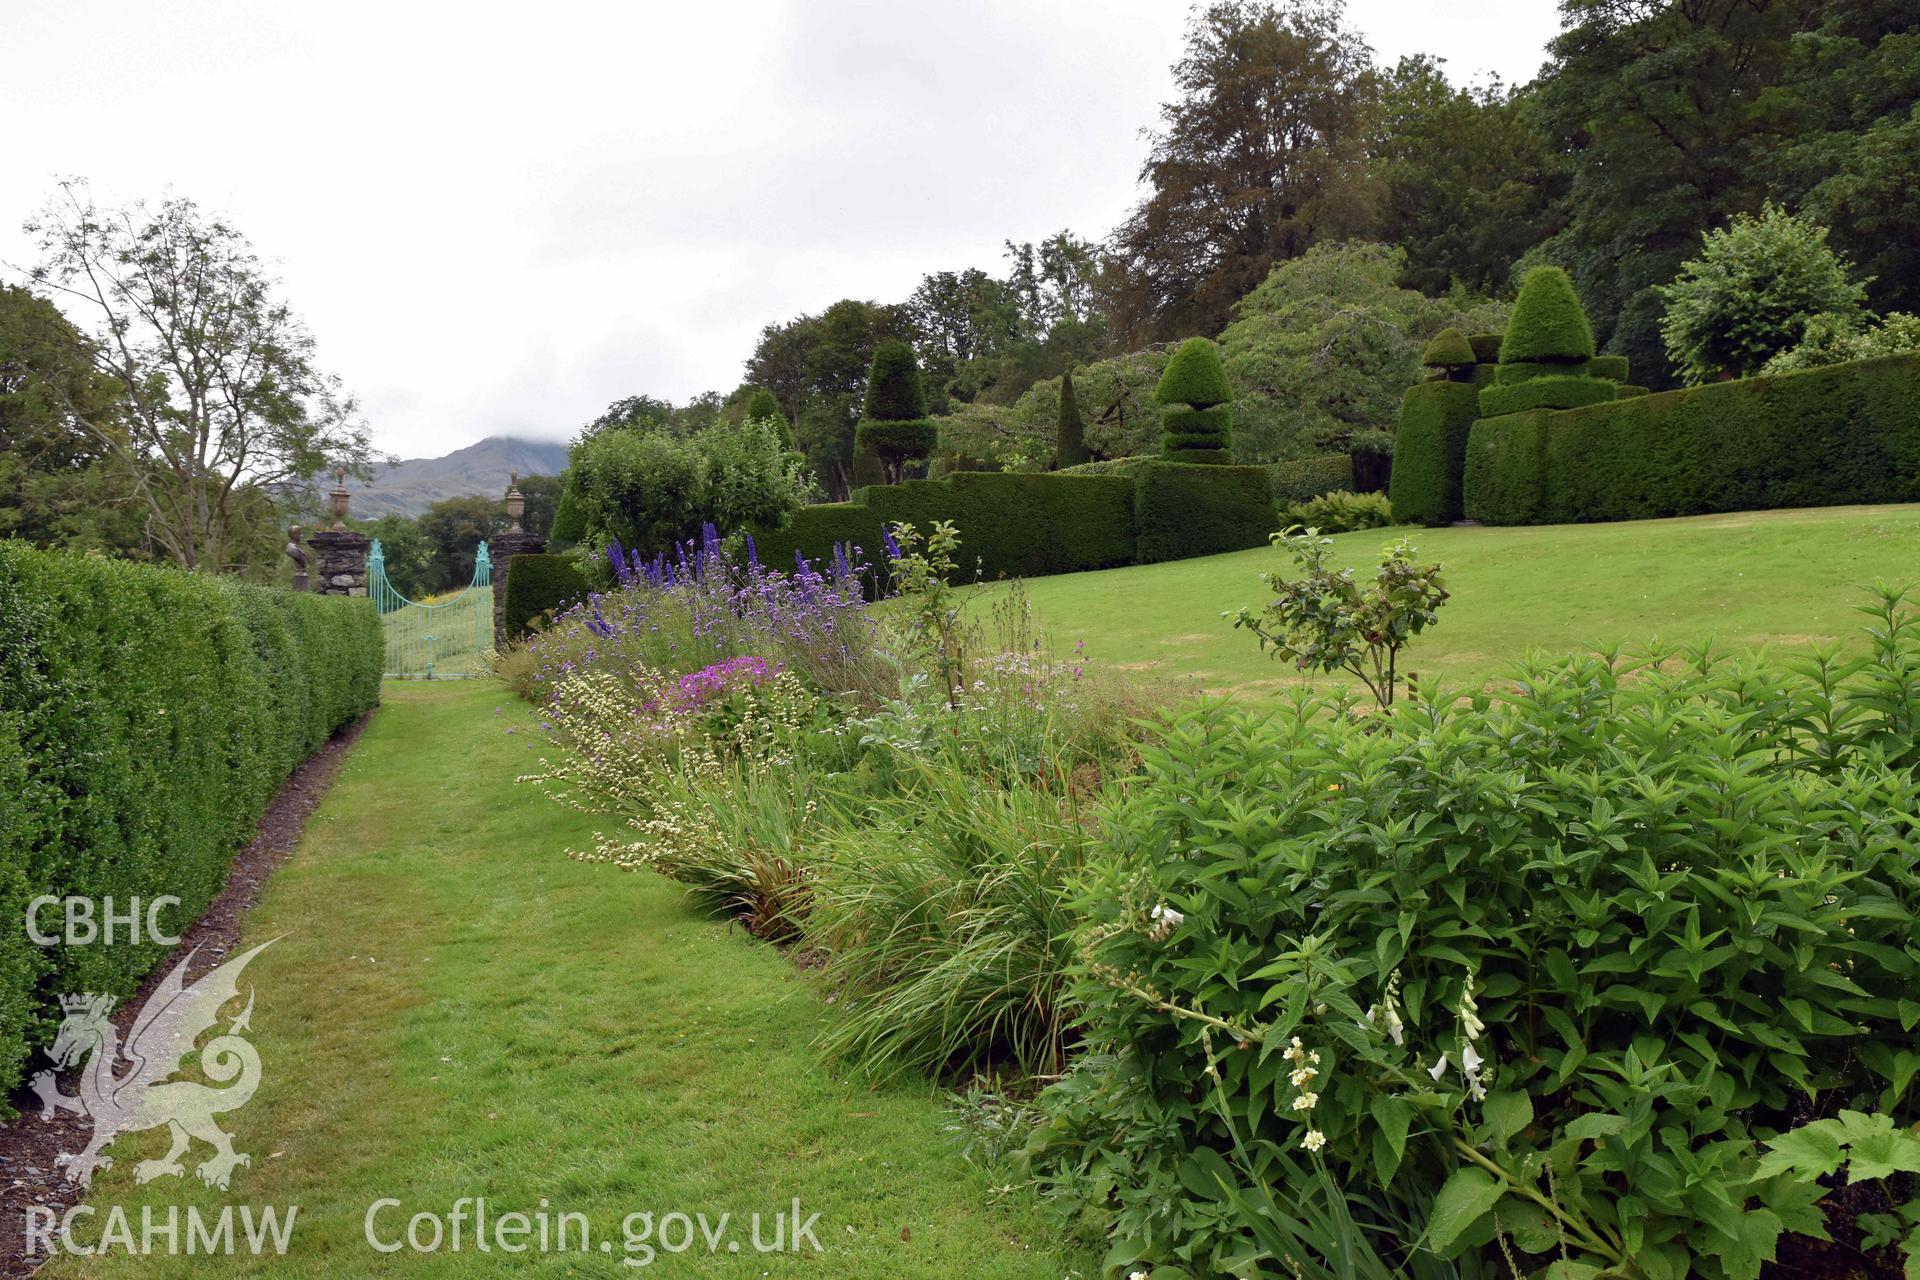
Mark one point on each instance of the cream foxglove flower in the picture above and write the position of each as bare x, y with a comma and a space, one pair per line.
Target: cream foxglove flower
1438, 1069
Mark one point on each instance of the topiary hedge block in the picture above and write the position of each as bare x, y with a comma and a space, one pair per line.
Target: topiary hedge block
895, 442
1485, 375
147, 716
1563, 392
1612, 368
1834, 436
1430, 452
1486, 347
1626, 391
1183, 510
1299, 479
1508, 375
1013, 525
1194, 376
1187, 432
539, 585
1548, 322
1505, 477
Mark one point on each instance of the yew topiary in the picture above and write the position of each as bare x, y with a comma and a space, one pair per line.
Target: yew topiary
1199, 426
1548, 323
895, 429
1448, 349
1070, 442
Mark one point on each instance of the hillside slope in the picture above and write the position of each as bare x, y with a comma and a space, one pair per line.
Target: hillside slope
411, 486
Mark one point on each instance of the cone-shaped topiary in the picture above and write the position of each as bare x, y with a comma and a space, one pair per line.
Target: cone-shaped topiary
1070, 442
1448, 348
763, 407
1548, 321
1203, 431
895, 392
895, 428
1194, 377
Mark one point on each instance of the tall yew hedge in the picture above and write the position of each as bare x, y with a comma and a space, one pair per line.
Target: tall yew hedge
146, 718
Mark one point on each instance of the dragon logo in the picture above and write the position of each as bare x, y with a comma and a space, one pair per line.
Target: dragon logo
163, 1034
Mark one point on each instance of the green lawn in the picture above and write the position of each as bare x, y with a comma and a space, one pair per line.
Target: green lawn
1778, 577
457, 1010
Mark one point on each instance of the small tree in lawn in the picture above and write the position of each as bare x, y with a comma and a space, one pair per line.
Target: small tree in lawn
1070, 443
1325, 620
1197, 425
894, 427
1750, 293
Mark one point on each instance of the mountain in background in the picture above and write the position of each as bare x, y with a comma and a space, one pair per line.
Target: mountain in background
407, 488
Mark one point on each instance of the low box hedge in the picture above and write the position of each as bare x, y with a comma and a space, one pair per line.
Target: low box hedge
147, 716
1504, 480
538, 585
1834, 436
1298, 479
1430, 452
1187, 509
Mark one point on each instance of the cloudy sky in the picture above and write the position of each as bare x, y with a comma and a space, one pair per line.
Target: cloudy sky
497, 218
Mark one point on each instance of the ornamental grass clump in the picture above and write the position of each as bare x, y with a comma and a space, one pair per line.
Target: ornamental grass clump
1576, 951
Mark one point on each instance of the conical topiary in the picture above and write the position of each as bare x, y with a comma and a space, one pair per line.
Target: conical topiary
1194, 377
1548, 322
763, 407
1448, 349
1070, 441
895, 392
895, 428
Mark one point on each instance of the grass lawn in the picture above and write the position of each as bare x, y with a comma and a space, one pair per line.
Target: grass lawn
1745, 580
457, 1010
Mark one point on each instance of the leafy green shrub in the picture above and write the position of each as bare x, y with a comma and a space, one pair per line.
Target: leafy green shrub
1838, 339
146, 718
1448, 350
1298, 479
1183, 510
1751, 294
1011, 525
650, 491
537, 587
1430, 452
1070, 440
1548, 322
1843, 434
1537, 970
1505, 480
763, 406
1324, 620
1567, 392
1339, 512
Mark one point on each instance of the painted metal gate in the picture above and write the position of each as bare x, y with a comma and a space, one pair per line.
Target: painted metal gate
445, 639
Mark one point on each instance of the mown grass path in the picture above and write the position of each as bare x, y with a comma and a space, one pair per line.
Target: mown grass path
457, 1010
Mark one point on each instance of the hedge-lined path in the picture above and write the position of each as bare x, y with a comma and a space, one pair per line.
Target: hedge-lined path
457, 1010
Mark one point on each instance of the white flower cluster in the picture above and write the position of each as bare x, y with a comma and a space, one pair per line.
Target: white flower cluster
1306, 1069
1162, 921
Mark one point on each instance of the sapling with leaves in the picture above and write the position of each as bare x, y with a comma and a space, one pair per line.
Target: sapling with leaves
1326, 620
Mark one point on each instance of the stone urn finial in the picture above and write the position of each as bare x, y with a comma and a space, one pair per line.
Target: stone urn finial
339, 499
516, 503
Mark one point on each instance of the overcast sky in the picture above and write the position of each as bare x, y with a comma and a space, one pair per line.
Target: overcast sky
497, 218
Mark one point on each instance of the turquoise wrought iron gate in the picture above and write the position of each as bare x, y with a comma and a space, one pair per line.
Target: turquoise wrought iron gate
435, 640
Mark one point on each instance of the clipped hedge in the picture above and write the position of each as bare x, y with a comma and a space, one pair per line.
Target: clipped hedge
1548, 322
146, 718
1843, 434
1014, 525
1430, 452
1505, 476
1298, 479
1626, 391
1612, 368
536, 585
1486, 346
1567, 392
1187, 509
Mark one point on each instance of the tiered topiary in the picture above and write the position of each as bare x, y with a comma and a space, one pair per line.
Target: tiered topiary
762, 406
1202, 430
1544, 357
1070, 442
1449, 357
895, 429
